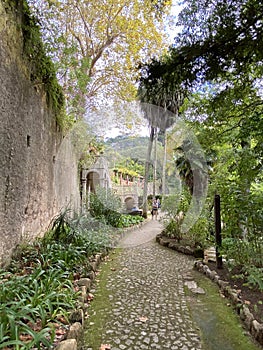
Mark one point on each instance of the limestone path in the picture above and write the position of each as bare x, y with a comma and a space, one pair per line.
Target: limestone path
147, 308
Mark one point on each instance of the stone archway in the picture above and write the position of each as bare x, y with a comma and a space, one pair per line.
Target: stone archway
97, 175
93, 180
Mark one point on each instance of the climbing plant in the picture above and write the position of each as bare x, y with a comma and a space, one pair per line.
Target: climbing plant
41, 69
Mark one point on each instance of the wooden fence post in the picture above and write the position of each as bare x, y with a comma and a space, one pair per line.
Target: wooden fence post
219, 262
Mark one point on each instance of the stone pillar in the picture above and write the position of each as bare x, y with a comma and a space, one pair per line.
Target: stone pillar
83, 197
88, 197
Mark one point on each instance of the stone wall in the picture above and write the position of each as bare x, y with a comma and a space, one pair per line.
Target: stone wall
38, 173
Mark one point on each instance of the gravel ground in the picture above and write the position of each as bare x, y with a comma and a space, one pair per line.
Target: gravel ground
148, 306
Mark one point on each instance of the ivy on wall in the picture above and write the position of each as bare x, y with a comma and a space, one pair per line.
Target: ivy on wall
41, 68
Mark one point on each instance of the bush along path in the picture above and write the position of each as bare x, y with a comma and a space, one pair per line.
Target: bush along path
142, 300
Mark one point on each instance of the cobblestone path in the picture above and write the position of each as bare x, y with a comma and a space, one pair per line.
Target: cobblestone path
147, 308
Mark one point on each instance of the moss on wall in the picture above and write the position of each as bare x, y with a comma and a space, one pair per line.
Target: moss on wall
39, 172
40, 67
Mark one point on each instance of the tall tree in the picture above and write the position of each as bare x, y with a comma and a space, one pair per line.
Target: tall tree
161, 100
220, 35
217, 38
97, 45
159, 119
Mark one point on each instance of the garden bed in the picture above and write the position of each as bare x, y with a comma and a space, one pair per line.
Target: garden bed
248, 301
252, 297
183, 246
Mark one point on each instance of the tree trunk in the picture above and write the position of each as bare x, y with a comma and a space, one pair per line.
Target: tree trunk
155, 164
164, 165
146, 174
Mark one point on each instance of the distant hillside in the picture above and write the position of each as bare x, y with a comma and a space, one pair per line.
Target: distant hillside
122, 147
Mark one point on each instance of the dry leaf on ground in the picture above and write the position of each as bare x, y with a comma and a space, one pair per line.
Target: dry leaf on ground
90, 297
25, 337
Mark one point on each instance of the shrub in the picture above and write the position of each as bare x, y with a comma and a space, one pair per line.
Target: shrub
175, 207
36, 290
106, 207
172, 230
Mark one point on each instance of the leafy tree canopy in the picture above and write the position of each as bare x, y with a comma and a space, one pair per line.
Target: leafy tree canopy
220, 35
97, 44
218, 38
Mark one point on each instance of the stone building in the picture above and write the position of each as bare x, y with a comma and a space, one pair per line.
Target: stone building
93, 176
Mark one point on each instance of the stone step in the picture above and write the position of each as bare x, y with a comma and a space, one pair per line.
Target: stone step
210, 254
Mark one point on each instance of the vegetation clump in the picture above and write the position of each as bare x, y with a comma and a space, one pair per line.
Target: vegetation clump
41, 69
176, 207
38, 290
106, 207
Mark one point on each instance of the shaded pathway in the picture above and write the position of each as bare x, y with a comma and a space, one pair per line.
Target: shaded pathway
145, 304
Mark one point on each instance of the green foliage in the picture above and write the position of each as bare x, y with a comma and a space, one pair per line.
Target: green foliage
65, 121
130, 167
240, 252
216, 37
172, 230
173, 204
37, 297
176, 207
203, 229
220, 35
84, 234
255, 277
170, 204
126, 147
41, 68
37, 289
129, 220
106, 207
96, 46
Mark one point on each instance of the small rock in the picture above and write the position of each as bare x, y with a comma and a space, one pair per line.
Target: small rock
77, 316
257, 331
247, 316
190, 284
84, 282
94, 265
198, 290
75, 331
69, 344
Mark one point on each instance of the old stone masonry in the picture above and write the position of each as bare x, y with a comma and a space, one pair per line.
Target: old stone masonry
148, 308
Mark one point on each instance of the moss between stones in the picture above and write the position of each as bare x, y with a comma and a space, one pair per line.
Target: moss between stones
220, 326
100, 303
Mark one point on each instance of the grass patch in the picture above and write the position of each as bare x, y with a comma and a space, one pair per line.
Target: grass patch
220, 326
101, 302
